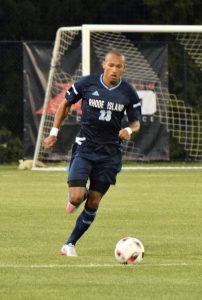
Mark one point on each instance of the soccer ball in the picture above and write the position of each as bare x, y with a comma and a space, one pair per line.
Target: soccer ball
129, 250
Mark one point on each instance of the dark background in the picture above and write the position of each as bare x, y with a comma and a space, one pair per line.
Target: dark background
38, 20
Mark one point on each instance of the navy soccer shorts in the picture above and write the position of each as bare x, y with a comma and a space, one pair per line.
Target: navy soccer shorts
102, 173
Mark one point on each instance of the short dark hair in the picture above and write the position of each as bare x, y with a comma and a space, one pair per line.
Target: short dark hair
115, 52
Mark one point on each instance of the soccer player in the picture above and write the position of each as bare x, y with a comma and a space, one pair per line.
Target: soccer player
96, 154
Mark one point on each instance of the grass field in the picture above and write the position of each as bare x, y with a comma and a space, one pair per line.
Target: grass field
163, 208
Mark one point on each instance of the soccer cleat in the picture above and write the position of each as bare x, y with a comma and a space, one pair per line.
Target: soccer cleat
70, 208
68, 250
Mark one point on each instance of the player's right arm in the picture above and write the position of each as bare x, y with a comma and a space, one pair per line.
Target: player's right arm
60, 115
73, 95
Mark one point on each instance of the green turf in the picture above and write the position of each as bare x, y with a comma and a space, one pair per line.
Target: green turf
160, 207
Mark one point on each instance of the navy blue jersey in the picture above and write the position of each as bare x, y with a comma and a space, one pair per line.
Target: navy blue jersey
103, 108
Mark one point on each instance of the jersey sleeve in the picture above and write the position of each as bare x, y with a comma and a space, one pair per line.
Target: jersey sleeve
74, 93
133, 110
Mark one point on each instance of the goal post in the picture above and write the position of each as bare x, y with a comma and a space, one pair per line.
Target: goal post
177, 116
60, 46
88, 28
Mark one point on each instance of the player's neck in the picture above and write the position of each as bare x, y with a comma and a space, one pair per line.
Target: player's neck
108, 83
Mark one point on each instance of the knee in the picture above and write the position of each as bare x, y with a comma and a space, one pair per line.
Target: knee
75, 198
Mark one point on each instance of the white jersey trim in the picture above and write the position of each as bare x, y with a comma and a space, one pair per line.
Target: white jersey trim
110, 89
136, 105
74, 89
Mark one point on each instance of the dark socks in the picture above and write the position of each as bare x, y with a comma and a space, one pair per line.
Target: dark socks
82, 224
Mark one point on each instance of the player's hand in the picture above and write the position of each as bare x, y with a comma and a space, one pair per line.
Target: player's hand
124, 134
50, 141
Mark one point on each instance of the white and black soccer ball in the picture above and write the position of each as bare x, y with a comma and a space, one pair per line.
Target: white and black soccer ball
129, 250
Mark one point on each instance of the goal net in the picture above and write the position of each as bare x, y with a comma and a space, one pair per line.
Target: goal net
171, 104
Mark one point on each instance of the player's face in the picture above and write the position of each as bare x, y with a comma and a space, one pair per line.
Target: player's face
113, 66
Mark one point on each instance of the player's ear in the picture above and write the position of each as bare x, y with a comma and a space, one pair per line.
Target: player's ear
103, 64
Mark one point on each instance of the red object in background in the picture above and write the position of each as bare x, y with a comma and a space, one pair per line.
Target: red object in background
56, 100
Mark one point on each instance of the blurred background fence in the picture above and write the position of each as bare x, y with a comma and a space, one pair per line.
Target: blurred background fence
184, 81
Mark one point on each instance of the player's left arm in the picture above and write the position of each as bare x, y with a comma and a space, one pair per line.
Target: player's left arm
133, 111
128, 132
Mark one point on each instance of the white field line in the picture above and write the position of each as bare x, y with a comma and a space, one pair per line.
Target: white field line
128, 168
163, 168
62, 266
